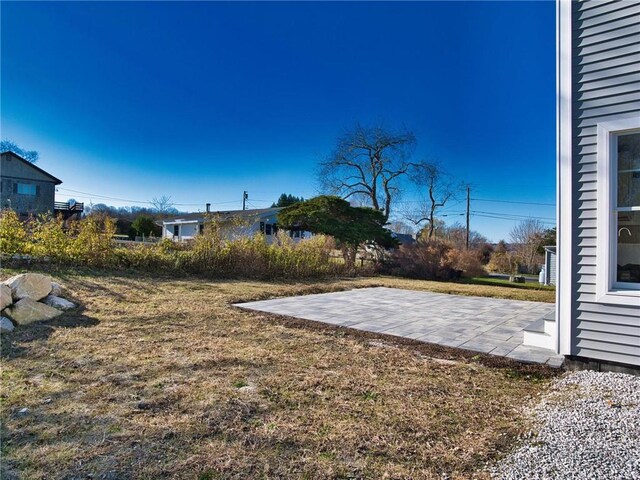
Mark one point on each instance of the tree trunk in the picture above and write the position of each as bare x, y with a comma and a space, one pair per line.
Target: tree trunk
349, 254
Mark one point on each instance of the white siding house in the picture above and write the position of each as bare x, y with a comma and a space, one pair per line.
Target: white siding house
233, 224
597, 320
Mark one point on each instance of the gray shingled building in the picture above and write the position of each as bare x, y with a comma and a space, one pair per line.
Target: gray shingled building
25, 187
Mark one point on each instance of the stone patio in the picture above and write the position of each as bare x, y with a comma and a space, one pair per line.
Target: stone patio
487, 325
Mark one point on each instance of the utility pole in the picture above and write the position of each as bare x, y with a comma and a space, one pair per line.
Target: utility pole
468, 205
245, 196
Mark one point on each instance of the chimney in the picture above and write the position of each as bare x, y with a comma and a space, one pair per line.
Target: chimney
208, 207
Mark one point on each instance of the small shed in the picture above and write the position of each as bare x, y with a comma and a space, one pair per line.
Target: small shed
550, 265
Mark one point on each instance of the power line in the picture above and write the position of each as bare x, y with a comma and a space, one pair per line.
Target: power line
483, 200
449, 207
514, 215
105, 197
495, 217
512, 201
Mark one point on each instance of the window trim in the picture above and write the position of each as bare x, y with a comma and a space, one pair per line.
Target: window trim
608, 290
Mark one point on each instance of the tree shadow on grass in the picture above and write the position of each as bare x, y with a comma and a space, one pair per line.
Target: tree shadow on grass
14, 344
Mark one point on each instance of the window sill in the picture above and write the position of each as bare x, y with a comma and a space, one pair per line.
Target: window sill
620, 297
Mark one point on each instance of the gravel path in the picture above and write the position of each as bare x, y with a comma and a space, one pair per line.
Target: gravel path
589, 429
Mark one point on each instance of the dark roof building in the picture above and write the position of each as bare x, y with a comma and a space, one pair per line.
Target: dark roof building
28, 189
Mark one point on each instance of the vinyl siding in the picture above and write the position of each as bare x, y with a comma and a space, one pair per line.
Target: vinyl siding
552, 269
605, 86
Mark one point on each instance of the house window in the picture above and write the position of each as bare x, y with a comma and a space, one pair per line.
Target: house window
267, 229
627, 210
618, 246
176, 230
26, 189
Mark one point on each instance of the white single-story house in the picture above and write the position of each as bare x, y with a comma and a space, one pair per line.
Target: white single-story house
233, 224
597, 319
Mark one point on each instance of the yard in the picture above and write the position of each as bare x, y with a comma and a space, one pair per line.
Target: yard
161, 377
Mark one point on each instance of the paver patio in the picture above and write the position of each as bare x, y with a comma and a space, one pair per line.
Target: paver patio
487, 325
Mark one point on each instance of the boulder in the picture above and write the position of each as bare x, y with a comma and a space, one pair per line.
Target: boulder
6, 325
27, 311
29, 285
59, 303
56, 289
5, 297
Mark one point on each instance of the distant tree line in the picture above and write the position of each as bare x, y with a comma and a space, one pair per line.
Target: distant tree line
135, 221
286, 199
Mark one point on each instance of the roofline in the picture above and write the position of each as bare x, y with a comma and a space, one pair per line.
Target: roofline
202, 215
179, 220
56, 180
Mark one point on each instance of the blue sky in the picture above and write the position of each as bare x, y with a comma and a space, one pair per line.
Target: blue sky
202, 100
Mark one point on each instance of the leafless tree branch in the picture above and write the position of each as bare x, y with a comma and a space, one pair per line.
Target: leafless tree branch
368, 161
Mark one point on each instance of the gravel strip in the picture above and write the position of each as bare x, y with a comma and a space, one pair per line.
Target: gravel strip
589, 429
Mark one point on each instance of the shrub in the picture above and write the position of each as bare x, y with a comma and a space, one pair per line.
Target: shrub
466, 261
49, 238
483, 253
89, 242
145, 226
13, 235
503, 262
428, 260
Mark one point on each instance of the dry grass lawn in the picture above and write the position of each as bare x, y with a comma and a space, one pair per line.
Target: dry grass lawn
162, 378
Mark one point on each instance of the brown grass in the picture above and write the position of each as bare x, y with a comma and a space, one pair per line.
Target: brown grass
466, 286
162, 378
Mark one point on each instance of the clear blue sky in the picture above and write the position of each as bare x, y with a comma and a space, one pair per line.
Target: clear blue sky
201, 101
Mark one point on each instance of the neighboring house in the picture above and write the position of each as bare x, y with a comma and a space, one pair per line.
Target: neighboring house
404, 238
550, 266
233, 224
29, 190
597, 322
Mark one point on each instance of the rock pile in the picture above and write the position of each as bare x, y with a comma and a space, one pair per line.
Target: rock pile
28, 298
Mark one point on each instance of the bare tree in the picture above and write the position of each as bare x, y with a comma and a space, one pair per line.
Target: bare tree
456, 234
8, 145
163, 204
436, 187
368, 163
398, 226
527, 237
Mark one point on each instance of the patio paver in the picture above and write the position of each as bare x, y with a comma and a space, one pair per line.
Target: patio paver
487, 325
